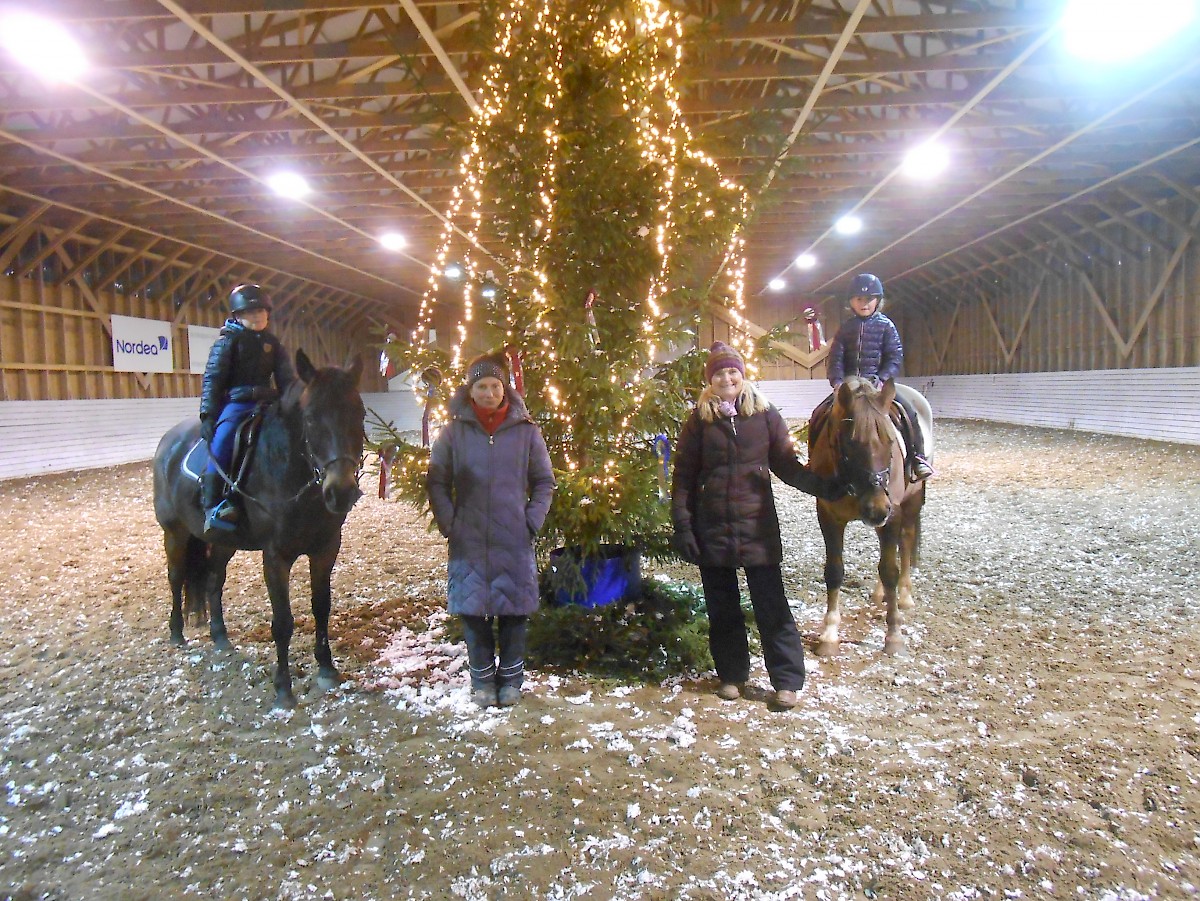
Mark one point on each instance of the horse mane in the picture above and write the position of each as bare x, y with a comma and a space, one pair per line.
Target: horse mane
869, 422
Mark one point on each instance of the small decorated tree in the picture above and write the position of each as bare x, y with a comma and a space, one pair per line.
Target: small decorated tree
590, 230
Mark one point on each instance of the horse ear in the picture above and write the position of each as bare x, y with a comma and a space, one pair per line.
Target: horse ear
889, 392
845, 394
355, 367
304, 367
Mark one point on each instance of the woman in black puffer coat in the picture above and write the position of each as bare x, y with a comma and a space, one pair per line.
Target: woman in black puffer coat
723, 508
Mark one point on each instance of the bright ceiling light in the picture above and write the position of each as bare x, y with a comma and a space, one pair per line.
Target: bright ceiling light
43, 46
848, 225
926, 160
289, 184
1115, 30
453, 271
776, 284
806, 261
393, 241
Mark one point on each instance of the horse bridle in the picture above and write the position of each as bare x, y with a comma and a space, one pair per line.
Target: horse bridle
875, 478
318, 472
319, 469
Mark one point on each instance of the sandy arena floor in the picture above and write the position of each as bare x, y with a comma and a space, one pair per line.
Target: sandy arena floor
1041, 739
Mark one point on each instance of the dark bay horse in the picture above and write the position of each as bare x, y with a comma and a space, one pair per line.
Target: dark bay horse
300, 486
859, 444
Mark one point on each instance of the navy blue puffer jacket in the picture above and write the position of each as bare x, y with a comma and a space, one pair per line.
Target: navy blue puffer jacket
242, 358
490, 495
868, 348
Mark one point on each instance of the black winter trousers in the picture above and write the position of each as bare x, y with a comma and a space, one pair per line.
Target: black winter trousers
481, 649
783, 652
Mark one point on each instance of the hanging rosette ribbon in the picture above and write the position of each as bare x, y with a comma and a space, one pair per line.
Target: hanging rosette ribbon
816, 334
514, 365
590, 316
431, 378
662, 450
387, 456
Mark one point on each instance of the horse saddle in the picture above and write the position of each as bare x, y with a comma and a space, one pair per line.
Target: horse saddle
195, 461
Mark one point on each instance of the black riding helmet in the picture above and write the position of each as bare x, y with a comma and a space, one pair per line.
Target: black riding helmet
248, 297
866, 285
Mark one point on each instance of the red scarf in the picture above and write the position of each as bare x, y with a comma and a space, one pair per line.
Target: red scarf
491, 419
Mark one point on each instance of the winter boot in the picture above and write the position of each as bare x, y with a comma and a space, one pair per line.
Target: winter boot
483, 694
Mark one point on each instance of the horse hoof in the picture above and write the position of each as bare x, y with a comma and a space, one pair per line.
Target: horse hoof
284, 700
178, 641
893, 646
828, 648
222, 643
328, 681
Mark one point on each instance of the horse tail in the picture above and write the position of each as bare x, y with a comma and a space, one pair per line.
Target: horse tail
195, 577
916, 544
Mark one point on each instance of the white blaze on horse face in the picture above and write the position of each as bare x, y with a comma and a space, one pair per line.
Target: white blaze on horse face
728, 383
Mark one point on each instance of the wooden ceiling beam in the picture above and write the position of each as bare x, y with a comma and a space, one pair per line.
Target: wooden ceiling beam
811, 27
1159, 208
137, 10
52, 245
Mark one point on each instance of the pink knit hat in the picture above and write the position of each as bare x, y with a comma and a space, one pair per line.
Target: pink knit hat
722, 356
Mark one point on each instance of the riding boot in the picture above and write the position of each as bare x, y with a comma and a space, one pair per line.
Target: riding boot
919, 468
216, 505
917, 464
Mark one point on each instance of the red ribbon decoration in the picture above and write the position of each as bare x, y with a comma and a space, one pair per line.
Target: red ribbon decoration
386, 456
514, 360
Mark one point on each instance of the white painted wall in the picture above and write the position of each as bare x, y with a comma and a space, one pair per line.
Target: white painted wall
43, 436
39, 437
1161, 404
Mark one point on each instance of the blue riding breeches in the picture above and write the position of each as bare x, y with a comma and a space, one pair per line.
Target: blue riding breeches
221, 449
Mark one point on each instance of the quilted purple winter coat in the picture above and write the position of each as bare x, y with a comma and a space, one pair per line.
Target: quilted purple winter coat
490, 495
869, 348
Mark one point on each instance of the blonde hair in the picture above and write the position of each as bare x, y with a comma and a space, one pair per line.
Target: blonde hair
749, 401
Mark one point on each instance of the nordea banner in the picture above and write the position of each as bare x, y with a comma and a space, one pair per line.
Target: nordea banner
141, 345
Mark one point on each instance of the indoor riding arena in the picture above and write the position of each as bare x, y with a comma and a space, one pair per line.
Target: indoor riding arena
599, 191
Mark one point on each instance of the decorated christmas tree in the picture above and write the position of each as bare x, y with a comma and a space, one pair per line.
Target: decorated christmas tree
586, 235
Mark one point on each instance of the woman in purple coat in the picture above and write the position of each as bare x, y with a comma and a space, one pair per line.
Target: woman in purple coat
490, 485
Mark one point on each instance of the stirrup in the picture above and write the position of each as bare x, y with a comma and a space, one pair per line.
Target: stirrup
213, 522
920, 470
226, 511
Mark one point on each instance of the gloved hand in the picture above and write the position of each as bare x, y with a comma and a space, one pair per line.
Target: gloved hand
208, 428
264, 394
686, 546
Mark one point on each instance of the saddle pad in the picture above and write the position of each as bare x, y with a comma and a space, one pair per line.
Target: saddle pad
195, 461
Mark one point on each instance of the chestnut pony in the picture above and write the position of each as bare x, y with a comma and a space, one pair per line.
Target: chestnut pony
859, 444
301, 484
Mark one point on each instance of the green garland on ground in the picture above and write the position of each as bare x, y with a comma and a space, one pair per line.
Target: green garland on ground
662, 633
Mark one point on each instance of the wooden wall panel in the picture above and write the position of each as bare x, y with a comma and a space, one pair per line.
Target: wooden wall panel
1123, 293
54, 345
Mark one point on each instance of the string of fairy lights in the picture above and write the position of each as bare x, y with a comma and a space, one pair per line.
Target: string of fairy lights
522, 309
